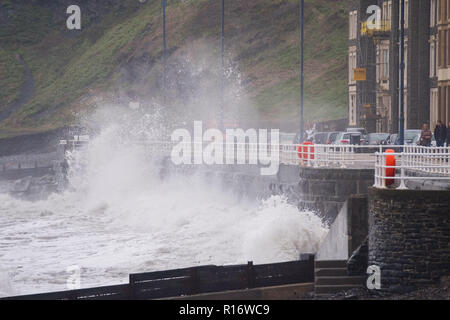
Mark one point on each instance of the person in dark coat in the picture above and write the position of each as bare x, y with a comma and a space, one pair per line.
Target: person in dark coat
448, 135
440, 134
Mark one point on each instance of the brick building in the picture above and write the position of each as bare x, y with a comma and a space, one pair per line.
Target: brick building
374, 102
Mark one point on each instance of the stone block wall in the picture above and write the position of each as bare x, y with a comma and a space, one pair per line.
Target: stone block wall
409, 236
323, 190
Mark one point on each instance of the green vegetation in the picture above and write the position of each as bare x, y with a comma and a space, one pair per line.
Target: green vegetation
262, 39
11, 77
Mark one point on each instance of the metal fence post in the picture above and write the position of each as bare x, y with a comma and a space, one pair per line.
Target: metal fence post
250, 275
402, 176
383, 171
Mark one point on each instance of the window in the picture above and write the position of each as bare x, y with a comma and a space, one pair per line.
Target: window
440, 56
433, 57
353, 24
352, 109
434, 107
385, 11
443, 39
447, 47
385, 73
405, 97
444, 103
406, 63
447, 107
433, 13
406, 15
383, 64
447, 11
351, 64
387, 15
443, 9
390, 10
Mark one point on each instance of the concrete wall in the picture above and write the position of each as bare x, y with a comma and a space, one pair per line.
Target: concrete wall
347, 232
335, 246
32, 176
409, 236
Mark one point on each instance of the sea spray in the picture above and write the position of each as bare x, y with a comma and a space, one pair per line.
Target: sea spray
119, 217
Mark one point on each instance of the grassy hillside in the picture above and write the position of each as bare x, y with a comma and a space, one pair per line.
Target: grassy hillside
118, 49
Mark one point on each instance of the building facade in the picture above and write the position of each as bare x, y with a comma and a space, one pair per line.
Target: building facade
375, 102
442, 109
362, 94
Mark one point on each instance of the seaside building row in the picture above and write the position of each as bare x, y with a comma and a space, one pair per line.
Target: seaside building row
374, 69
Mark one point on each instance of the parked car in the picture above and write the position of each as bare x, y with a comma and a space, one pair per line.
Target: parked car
377, 138
320, 137
363, 131
409, 136
391, 140
332, 137
345, 138
348, 138
325, 137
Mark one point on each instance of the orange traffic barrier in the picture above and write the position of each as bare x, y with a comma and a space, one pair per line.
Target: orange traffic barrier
390, 172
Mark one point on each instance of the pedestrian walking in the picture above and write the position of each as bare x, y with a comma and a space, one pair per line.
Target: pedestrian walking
448, 135
440, 134
425, 136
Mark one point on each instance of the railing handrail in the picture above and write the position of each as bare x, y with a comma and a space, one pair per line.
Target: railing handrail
431, 163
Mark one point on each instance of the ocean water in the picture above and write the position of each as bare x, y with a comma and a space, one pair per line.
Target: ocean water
118, 217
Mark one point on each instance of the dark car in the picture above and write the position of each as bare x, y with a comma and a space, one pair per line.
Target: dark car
392, 139
409, 136
362, 131
325, 137
320, 137
332, 136
375, 139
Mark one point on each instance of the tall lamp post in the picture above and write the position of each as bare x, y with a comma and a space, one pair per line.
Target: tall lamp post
222, 71
164, 4
302, 37
402, 75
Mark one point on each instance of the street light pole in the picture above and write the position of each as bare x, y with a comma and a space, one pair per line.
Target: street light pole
302, 37
164, 4
222, 71
402, 75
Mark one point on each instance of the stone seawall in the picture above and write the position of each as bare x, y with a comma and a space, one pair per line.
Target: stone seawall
409, 237
322, 190
32, 176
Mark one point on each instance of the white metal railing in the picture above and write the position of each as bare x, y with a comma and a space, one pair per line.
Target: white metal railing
338, 156
414, 163
75, 142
